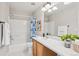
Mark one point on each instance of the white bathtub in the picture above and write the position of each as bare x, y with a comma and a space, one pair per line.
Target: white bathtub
17, 47
17, 50
20, 49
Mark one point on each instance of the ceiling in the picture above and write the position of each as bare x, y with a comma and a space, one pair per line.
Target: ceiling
25, 7
62, 7
30, 7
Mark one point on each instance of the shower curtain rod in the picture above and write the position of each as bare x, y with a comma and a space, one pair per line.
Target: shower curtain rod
15, 15
21, 15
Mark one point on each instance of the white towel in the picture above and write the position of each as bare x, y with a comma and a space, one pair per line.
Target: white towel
0, 34
7, 34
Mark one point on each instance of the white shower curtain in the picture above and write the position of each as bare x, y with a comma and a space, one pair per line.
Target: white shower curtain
7, 34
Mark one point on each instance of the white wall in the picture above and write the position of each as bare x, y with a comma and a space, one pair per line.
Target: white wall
48, 27
51, 28
4, 11
45, 24
69, 16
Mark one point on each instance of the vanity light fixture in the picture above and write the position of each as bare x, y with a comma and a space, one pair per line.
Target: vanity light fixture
54, 8
48, 5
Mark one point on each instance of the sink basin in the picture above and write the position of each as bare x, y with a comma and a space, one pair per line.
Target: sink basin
51, 40
57, 42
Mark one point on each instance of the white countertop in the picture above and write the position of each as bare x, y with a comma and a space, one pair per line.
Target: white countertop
56, 46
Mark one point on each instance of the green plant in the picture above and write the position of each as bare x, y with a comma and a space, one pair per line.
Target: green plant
74, 37
69, 36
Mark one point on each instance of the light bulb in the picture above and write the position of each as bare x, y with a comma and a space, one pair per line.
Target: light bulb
54, 8
49, 10
47, 6
43, 9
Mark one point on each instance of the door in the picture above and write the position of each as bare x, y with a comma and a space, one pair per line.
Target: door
40, 49
50, 52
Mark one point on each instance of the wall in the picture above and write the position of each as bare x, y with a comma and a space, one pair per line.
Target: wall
45, 24
48, 27
4, 11
68, 15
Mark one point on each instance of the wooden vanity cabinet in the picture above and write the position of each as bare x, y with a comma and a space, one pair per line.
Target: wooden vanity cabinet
41, 50
50, 52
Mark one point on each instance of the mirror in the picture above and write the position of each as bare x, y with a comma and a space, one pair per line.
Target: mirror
66, 14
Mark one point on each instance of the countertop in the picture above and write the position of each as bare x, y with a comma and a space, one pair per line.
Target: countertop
56, 45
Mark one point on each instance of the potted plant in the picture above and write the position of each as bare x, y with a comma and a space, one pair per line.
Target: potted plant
68, 38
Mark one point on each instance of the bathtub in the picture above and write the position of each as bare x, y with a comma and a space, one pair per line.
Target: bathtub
14, 50
17, 47
20, 49
17, 50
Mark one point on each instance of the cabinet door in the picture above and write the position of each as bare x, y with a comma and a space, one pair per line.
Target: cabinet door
50, 52
34, 49
40, 49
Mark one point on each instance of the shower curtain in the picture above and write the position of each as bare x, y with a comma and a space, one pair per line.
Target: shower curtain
4, 34
1, 33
